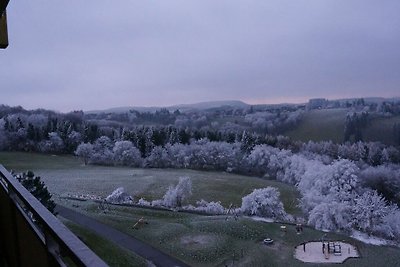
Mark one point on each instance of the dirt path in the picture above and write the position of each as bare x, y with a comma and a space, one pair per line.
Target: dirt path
144, 250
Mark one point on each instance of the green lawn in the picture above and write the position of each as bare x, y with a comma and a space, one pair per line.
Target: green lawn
214, 241
381, 129
328, 124
112, 254
65, 175
320, 125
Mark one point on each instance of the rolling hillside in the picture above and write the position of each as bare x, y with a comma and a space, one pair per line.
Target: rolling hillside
328, 124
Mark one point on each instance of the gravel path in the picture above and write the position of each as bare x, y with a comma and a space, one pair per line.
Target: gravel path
144, 250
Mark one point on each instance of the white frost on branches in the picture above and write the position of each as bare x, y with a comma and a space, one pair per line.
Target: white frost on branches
264, 202
118, 196
207, 207
176, 195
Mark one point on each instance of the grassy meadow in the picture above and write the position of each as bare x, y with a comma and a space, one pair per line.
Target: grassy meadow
328, 124
66, 175
202, 240
320, 125
381, 129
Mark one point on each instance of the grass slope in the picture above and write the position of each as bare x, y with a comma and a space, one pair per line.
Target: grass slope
112, 254
328, 124
381, 129
320, 125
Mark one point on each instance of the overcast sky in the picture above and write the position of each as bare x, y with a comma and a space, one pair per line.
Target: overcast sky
93, 54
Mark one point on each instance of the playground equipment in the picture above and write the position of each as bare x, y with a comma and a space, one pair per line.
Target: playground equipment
139, 223
231, 212
330, 247
326, 251
299, 228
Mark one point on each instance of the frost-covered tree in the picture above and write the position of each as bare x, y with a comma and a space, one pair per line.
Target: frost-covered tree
102, 151
84, 151
369, 211
125, 153
178, 155
73, 140
331, 215
322, 183
262, 121
374, 153
344, 180
385, 179
264, 159
354, 152
295, 167
391, 223
158, 158
207, 155
264, 202
209, 207
313, 185
53, 145
176, 195
118, 196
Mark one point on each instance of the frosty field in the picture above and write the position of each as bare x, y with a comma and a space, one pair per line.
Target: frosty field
66, 175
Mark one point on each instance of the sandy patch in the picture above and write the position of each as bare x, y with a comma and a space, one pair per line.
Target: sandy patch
313, 253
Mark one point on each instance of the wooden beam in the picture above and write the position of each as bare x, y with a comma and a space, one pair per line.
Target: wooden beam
3, 5
3, 30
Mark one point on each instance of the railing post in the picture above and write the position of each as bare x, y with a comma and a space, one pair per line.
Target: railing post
53, 251
15, 257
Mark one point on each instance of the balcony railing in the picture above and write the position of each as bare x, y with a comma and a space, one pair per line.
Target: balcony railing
32, 236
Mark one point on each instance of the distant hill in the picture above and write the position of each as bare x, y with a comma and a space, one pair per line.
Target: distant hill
369, 99
328, 124
212, 104
181, 107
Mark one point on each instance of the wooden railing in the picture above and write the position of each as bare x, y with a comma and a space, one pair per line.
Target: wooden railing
32, 236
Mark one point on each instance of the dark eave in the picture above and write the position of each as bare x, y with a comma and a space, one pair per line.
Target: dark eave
3, 24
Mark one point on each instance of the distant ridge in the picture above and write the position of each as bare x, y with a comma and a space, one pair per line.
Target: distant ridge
227, 103
181, 107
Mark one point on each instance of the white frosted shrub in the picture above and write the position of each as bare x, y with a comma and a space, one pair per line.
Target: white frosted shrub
119, 196
144, 202
176, 195
210, 207
331, 216
264, 202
